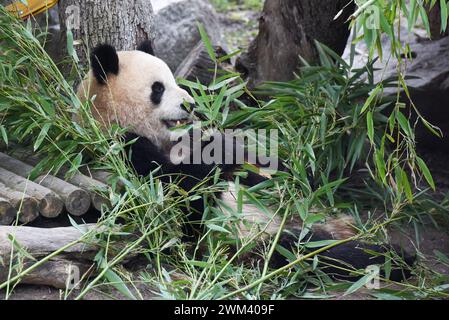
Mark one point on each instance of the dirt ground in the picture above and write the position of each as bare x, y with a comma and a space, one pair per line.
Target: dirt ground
240, 27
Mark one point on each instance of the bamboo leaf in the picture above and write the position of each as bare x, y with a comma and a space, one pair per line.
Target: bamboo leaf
444, 15
320, 244
370, 126
406, 186
41, 136
206, 42
403, 123
4, 134
118, 283
217, 228
371, 97
426, 172
360, 283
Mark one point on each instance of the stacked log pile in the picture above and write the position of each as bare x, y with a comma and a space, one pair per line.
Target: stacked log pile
22, 201
47, 195
63, 271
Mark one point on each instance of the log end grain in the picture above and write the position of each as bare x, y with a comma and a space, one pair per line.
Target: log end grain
7, 212
99, 201
28, 210
78, 202
51, 206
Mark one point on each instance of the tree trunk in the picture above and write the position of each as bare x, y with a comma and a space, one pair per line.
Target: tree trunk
435, 22
287, 30
121, 23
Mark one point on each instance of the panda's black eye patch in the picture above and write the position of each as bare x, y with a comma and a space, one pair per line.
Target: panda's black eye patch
157, 90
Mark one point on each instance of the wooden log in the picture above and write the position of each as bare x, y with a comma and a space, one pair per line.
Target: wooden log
98, 179
199, 66
41, 242
58, 273
26, 206
50, 204
78, 180
103, 176
76, 200
7, 212
88, 183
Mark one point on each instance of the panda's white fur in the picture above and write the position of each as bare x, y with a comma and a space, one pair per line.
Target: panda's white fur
124, 97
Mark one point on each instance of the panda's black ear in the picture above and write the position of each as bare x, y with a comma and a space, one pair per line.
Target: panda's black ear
104, 60
146, 47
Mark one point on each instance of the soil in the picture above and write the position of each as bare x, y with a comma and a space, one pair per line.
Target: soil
240, 26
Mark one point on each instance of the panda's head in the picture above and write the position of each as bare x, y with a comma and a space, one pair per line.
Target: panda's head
136, 90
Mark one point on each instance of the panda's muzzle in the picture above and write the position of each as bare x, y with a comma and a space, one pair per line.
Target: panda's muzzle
172, 123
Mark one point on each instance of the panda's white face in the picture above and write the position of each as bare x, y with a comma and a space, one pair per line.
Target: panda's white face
141, 95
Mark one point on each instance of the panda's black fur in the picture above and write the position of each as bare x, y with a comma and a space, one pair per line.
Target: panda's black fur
145, 156
104, 62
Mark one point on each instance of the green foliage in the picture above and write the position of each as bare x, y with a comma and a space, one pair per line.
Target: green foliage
374, 18
36, 102
332, 123
245, 4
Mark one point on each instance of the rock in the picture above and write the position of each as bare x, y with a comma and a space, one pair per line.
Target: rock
428, 65
160, 4
429, 87
177, 30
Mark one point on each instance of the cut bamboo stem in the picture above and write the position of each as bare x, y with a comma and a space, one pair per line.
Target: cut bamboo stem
50, 204
76, 200
26, 206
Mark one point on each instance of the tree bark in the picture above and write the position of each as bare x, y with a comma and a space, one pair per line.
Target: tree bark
121, 23
435, 22
287, 30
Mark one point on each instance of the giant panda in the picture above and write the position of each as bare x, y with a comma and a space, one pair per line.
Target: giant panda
137, 90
